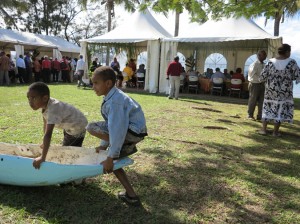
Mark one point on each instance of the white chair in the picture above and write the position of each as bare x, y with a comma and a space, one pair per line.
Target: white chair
140, 79
217, 86
193, 83
234, 90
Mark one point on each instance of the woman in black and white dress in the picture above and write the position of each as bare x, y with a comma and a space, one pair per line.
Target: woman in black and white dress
279, 74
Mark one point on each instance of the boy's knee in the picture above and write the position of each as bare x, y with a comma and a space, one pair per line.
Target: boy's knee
91, 127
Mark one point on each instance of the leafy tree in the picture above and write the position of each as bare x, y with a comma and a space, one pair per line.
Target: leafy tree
276, 9
9, 9
54, 17
93, 24
109, 5
196, 8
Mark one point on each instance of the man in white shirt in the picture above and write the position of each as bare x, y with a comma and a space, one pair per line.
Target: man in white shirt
256, 88
80, 70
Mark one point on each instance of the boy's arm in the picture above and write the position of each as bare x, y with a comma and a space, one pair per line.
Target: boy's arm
46, 144
45, 123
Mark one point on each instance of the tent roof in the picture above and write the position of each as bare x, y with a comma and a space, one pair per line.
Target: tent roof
230, 29
141, 27
60, 43
14, 37
8, 38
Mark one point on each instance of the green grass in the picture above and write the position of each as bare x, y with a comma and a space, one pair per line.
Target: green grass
184, 171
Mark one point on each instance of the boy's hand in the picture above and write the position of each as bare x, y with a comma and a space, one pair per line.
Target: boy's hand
37, 162
108, 165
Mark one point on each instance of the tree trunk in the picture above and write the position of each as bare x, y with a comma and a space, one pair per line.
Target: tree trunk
277, 19
176, 24
46, 17
110, 4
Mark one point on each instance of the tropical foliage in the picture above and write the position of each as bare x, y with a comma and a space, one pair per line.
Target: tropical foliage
276, 10
54, 17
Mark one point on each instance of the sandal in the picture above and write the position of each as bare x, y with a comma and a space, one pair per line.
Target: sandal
261, 132
276, 134
133, 201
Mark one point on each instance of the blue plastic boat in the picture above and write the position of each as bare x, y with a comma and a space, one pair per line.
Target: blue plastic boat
63, 165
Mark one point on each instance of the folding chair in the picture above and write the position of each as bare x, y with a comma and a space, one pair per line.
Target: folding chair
193, 83
140, 80
217, 86
235, 90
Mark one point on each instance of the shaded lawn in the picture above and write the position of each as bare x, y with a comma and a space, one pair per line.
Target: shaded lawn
203, 162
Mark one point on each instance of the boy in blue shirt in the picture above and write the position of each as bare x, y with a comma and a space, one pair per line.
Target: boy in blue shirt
124, 125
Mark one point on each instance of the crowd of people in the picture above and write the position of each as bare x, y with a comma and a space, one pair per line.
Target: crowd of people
129, 75
177, 77
28, 69
270, 85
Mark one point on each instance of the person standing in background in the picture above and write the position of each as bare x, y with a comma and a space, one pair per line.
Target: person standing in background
46, 69
20, 63
80, 70
11, 70
256, 88
173, 74
4, 67
28, 64
65, 68
279, 74
55, 69
37, 70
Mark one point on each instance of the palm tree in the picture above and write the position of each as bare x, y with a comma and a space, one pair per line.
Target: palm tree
196, 9
284, 9
277, 10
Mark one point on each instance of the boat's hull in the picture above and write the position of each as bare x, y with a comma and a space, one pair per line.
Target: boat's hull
18, 170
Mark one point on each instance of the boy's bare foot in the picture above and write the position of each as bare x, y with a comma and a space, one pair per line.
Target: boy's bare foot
98, 148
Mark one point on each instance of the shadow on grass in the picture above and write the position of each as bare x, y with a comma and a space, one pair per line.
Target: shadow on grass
226, 183
198, 188
83, 204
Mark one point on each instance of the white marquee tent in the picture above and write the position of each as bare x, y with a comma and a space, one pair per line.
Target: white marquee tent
21, 42
235, 39
143, 32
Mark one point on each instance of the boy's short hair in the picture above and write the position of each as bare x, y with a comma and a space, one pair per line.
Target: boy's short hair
106, 73
41, 88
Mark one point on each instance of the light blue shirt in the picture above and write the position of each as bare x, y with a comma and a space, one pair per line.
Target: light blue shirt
121, 113
218, 75
20, 63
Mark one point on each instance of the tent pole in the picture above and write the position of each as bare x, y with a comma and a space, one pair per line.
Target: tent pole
157, 91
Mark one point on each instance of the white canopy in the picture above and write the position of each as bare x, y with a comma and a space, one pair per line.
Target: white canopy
142, 31
30, 41
141, 27
230, 29
9, 38
235, 39
60, 43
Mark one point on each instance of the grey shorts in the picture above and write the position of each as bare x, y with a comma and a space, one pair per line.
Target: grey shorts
130, 138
